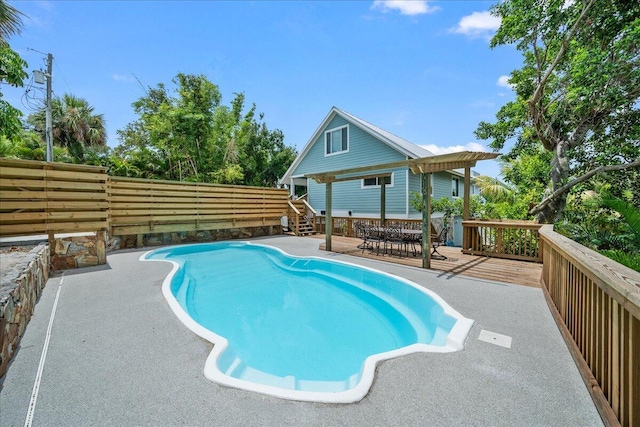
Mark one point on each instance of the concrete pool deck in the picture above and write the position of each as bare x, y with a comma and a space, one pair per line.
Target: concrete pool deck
117, 355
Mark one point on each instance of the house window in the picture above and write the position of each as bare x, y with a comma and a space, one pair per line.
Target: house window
375, 182
455, 187
431, 185
336, 140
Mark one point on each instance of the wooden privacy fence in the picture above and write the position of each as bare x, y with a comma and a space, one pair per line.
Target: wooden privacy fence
502, 239
596, 303
52, 198
140, 206
47, 198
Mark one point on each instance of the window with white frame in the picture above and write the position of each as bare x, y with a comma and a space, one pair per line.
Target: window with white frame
455, 187
375, 182
336, 140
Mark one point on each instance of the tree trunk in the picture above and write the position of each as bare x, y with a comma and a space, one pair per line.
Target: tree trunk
559, 172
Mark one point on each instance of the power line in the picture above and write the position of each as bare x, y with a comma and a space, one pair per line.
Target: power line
55, 61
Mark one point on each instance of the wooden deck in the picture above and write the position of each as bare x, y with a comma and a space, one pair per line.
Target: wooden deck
496, 269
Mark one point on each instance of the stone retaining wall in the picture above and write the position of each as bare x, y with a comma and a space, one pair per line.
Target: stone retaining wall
79, 251
200, 236
18, 299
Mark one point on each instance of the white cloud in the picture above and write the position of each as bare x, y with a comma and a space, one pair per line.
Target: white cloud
471, 146
478, 24
406, 7
123, 78
504, 82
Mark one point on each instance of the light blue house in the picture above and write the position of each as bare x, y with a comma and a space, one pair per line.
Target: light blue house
344, 141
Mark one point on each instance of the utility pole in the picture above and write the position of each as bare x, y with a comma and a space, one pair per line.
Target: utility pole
48, 115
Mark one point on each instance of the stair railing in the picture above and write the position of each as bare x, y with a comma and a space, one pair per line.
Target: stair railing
294, 212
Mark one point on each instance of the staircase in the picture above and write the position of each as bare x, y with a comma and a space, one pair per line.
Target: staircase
300, 222
305, 228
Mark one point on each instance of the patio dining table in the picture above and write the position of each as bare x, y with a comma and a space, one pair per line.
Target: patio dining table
410, 236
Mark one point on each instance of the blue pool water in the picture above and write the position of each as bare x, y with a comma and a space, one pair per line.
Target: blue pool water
304, 324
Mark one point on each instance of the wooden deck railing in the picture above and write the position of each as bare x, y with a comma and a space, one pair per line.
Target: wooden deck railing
47, 198
596, 303
344, 225
502, 239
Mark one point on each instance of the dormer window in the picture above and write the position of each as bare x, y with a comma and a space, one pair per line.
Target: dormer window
336, 140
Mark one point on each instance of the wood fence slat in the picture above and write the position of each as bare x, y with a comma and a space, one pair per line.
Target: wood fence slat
22, 216
22, 205
22, 195
76, 176
78, 215
18, 229
22, 172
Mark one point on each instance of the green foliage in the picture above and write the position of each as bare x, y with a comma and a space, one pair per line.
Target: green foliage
29, 146
630, 214
12, 66
75, 126
12, 70
449, 207
189, 135
604, 223
630, 259
10, 21
10, 125
576, 93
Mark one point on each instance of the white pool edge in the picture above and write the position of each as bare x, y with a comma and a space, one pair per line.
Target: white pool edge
455, 340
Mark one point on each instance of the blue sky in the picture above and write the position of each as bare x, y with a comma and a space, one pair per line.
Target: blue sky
422, 70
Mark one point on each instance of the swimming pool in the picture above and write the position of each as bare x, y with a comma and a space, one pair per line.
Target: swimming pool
302, 328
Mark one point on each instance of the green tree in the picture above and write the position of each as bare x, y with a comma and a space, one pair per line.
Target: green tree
10, 20
12, 69
189, 135
75, 125
577, 92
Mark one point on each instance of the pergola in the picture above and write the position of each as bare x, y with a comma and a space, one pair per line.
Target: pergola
424, 166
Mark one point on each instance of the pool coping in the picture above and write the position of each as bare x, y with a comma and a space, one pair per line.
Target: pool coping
455, 339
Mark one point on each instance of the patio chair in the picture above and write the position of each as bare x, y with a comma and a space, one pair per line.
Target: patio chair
437, 240
371, 235
394, 236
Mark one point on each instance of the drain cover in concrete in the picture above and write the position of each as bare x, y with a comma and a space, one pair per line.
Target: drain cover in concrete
493, 338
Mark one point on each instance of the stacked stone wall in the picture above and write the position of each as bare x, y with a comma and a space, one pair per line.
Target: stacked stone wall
200, 236
21, 289
79, 251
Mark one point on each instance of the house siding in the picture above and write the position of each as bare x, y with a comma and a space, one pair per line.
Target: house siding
364, 150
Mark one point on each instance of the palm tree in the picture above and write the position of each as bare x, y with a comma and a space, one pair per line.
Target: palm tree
494, 190
10, 21
75, 125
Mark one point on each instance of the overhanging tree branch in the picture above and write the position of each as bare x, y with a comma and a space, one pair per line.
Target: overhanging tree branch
538, 117
586, 176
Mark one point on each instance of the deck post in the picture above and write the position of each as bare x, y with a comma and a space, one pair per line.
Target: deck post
426, 220
328, 221
383, 219
467, 193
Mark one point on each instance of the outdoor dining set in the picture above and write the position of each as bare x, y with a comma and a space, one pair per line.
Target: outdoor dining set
375, 237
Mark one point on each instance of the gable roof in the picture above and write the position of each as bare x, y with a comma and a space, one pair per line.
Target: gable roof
401, 145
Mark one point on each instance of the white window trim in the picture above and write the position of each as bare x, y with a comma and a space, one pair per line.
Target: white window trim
366, 187
458, 179
324, 141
